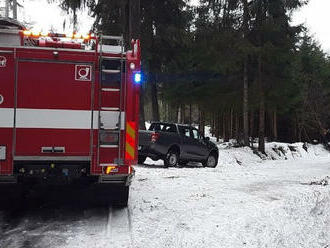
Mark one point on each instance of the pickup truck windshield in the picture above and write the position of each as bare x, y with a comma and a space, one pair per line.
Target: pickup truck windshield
157, 127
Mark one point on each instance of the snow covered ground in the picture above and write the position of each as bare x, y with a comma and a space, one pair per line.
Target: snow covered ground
247, 201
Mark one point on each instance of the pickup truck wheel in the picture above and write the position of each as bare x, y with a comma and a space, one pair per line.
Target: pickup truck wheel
141, 159
171, 159
211, 161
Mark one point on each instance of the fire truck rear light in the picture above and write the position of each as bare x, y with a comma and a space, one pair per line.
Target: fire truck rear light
86, 37
35, 33
110, 169
27, 32
69, 35
77, 36
132, 66
154, 137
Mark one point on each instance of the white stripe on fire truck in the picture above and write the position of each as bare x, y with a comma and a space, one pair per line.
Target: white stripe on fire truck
6, 117
57, 118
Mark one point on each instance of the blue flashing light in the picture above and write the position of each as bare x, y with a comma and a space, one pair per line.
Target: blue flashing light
137, 77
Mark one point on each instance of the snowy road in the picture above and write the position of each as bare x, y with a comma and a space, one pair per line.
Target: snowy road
266, 204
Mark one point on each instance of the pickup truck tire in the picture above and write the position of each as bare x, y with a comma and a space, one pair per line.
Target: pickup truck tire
171, 159
141, 159
211, 161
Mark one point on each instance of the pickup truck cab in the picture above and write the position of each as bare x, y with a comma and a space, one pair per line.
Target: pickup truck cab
176, 144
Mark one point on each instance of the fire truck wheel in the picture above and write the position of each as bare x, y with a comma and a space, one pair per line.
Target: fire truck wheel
171, 159
11, 196
141, 159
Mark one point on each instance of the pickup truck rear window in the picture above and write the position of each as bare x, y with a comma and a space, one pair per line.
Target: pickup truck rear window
159, 127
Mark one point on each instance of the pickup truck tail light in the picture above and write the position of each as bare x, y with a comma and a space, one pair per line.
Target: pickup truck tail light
154, 137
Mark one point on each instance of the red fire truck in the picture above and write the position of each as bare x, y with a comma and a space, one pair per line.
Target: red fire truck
68, 109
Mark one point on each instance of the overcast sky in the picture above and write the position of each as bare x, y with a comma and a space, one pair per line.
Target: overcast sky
315, 15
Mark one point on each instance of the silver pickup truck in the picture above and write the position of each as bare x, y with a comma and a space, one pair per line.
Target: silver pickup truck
176, 144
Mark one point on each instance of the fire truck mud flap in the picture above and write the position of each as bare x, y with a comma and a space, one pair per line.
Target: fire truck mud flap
113, 189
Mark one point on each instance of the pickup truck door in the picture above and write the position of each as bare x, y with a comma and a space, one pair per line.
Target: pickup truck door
197, 147
193, 146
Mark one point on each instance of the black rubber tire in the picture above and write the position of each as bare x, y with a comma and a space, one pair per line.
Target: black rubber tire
171, 159
213, 158
141, 159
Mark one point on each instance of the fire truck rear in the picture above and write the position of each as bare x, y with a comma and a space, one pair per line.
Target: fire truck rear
68, 110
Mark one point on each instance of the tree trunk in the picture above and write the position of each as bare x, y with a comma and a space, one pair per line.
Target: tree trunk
179, 114
261, 146
217, 133
275, 125
252, 127
231, 124
237, 134
183, 113
7, 9
15, 9
134, 19
154, 102
190, 114
225, 127
245, 77
202, 123
245, 105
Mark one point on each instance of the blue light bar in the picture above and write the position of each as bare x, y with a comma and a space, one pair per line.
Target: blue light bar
137, 77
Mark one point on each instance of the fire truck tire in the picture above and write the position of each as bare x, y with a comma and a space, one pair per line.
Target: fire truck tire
141, 159
11, 196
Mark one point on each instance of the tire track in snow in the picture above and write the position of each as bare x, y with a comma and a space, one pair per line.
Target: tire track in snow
119, 227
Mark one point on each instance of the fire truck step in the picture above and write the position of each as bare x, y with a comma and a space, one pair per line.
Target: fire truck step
111, 58
111, 37
109, 109
111, 89
108, 146
110, 71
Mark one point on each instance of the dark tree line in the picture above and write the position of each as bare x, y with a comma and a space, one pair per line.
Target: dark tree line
239, 66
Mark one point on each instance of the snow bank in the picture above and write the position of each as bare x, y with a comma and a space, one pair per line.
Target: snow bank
229, 155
